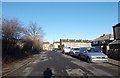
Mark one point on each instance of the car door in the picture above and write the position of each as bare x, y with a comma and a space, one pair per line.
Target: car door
84, 53
81, 53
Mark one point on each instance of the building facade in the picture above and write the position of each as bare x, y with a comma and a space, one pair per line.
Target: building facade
116, 31
114, 51
56, 44
116, 43
75, 43
103, 41
46, 45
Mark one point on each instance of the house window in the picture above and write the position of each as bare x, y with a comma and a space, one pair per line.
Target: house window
103, 42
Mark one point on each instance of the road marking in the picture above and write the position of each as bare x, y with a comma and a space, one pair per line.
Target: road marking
36, 61
74, 72
43, 60
27, 71
53, 72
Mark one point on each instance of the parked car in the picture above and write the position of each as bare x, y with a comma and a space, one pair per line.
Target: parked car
50, 49
66, 50
54, 49
74, 52
92, 54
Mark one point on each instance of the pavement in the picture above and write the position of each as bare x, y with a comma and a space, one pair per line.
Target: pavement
18, 65
13, 67
114, 62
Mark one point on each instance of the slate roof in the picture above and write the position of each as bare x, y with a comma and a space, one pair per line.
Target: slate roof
115, 42
45, 42
104, 37
56, 42
74, 40
117, 25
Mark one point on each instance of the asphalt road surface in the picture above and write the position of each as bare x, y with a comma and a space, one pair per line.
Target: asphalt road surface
54, 63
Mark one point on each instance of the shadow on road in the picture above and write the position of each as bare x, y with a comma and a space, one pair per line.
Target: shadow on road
47, 73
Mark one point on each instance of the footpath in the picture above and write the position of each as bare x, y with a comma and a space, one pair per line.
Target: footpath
114, 62
8, 69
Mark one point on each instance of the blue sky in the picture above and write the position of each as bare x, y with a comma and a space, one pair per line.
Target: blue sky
73, 20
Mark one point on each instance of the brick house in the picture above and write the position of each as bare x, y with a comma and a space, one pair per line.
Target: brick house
56, 44
75, 43
114, 51
103, 41
46, 45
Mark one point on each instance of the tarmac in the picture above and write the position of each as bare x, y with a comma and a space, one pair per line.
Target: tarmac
16, 66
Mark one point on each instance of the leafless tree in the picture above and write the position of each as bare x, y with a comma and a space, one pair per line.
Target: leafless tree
11, 28
35, 33
12, 31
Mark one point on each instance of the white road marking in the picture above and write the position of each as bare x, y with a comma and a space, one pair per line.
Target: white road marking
74, 72
53, 71
27, 71
36, 61
43, 60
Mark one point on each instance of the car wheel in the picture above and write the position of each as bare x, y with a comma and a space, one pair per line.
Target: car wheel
88, 60
63, 52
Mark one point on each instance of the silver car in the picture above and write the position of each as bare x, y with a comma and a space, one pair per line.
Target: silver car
74, 52
92, 54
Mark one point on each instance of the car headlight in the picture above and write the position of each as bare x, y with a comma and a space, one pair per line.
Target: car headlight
106, 56
93, 57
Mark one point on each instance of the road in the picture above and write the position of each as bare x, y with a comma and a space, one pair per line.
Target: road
65, 65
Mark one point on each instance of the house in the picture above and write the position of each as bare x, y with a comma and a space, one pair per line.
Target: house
75, 43
116, 43
56, 44
114, 51
51, 47
46, 45
103, 41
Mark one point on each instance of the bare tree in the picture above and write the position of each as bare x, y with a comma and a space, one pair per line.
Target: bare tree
12, 31
11, 28
36, 34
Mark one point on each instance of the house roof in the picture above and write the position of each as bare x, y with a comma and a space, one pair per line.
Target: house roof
74, 40
115, 42
117, 25
45, 42
56, 42
104, 37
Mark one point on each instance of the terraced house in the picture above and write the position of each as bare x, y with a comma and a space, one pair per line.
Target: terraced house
114, 51
46, 45
103, 41
75, 43
56, 44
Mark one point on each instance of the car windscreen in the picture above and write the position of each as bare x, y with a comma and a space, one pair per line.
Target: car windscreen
93, 50
76, 49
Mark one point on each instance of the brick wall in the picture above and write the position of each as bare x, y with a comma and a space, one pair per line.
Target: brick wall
114, 54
